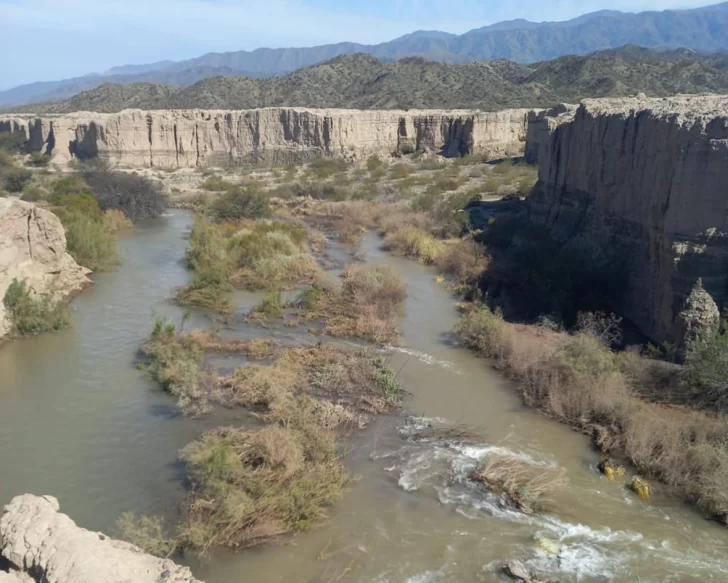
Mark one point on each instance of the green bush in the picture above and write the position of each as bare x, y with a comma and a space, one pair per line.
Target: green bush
207, 289
67, 206
31, 313
70, 185
14, 179
88, 242
325, 167
238, 203
33, 193
217, 184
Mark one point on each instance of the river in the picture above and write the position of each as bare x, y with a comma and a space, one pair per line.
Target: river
80, 422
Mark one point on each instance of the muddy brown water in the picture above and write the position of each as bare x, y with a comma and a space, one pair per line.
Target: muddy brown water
80, 422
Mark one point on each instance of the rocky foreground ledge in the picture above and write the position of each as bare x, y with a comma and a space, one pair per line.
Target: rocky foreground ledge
41, 544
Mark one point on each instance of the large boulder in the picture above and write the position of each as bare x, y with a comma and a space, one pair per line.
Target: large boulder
33, 249
36, 538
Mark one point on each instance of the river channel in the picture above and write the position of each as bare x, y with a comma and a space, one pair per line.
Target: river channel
79, 421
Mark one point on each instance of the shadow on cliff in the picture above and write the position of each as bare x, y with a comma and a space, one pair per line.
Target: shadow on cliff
530, 274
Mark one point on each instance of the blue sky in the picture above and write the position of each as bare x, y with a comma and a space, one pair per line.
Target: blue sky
55, 39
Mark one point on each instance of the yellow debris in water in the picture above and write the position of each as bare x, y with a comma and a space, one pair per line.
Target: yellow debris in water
440, 279
611, 470
548, 546
640, 487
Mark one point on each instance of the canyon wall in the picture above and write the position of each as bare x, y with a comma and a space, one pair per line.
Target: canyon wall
191, 138
41, 544
641, 185
33, 249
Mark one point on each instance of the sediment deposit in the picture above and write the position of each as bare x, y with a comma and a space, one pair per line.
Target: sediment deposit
36, 539
191, 138
33, 249
641, 185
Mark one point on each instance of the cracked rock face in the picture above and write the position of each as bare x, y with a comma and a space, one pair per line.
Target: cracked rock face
33, 249
36, 538
641, 185
192, 138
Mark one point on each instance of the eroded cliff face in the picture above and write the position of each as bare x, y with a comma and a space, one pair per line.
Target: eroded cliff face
641, 185
33, 249
36, 539
191, 138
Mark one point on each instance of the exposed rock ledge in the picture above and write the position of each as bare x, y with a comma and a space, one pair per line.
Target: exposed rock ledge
42, 544
191, 138
642, 186
33, 248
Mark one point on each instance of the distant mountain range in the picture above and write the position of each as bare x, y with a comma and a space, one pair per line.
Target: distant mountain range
361, 81
702, 29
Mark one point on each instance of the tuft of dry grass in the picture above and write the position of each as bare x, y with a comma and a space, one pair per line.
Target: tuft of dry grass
526, 487
413, 242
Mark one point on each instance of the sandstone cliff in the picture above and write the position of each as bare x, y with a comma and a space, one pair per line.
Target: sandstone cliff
33, 248
36, 538
642, 186
191, 138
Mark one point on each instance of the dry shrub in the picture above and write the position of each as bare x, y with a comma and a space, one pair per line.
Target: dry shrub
258, 348
377, 286
526, 487
483, 331
413, 242
116, 220
464, 261
358, 380
365, 305
251, 487
256, 385
146, 532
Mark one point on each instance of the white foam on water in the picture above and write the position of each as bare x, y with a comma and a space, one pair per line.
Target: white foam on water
423, 357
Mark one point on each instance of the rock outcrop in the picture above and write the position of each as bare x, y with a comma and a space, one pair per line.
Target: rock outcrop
540, 125
33, 249
641, 185
191, 138
36, 539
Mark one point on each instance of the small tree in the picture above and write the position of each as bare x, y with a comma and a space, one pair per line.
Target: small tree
239, 203
137, 197
706, 371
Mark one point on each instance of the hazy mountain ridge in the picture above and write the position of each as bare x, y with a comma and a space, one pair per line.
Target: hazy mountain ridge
703, 29
363, 82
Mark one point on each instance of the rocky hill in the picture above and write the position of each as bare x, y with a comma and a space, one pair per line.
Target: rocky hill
362, 82
701, 29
